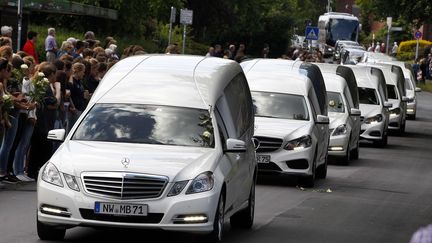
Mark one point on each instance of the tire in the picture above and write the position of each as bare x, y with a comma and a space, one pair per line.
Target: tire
322, 170
383, 142
244, 218
309, 181
345, 160
355, 152
218, 224
47, 232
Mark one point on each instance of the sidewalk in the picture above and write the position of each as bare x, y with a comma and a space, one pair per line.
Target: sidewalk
22, 186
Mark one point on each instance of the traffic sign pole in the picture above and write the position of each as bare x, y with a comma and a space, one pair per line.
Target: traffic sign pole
185, 19
172, 20
417, 35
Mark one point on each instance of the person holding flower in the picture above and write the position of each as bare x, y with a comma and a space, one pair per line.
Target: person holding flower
11, 105
45, 94
28, 120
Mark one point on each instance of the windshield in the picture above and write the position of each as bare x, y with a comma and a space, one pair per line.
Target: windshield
276, 105
408, 84
368, 96
336, 103
147, 124
342, 29
391, 91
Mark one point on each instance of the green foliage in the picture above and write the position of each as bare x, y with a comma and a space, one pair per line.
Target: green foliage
406, 50
425, 87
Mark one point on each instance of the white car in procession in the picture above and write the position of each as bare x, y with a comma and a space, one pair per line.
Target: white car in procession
344, 119
343, 110
291, 127
396, 92
165, 143
374, 105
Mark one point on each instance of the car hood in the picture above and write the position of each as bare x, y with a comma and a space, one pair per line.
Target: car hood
370, 110
278, 128
336, 119
176, 162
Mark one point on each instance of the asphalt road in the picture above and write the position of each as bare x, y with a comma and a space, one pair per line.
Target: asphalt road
382, 197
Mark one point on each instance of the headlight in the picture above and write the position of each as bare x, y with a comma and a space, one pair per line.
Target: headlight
340, 130
71, 182
51, 175
177, 188
202, 183
395, 112
374, 119
299, 143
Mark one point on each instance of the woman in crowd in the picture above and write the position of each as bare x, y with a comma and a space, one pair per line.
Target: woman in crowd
76, 89
28, 117
93, 78
41, 147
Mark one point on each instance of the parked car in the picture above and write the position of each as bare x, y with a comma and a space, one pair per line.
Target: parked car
396, 91
374, 104
165, 142
291, 124
343, 110
345, 44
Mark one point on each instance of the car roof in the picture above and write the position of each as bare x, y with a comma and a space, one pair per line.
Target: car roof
264, 75
364, 77
172, 80
334, 82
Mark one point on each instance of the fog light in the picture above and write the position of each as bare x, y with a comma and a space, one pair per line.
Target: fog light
190, 219
336, 148
53, 210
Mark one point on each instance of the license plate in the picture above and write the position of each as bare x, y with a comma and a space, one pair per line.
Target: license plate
263, 159
121, 209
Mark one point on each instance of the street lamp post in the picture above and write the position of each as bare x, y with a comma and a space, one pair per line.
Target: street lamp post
19, 13
389, 25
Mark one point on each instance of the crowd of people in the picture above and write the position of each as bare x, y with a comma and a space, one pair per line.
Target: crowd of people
36, 97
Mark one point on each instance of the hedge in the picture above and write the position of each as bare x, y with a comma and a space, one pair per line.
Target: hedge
406, 49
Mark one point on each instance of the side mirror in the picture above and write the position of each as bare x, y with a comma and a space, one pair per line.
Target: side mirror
256, 143
57, 135
322, 119
355, 112
417, 89
388, 104
235, 146
405, 99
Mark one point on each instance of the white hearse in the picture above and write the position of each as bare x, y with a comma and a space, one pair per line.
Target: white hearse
291, 125
165, 143
396, 92
343, 111
374, 104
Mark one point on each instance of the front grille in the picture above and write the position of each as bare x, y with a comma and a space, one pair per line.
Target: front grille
393, 124
151, 218
267, 144
124, 185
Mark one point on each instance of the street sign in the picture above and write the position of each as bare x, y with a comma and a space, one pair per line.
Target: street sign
389, 22
311, 33
418, 34
395, 29
186, 16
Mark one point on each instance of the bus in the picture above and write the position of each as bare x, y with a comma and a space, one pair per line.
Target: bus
336, 26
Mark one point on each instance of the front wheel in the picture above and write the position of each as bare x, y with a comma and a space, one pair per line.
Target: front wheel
218, 223
322, 170
47, 232
244, 219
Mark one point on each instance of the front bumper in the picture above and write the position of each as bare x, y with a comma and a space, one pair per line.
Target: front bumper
338, 145
373, 131
394, 122
161, 211
293, 162
411, 108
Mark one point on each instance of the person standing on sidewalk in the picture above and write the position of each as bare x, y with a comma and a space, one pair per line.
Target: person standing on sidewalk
51, 46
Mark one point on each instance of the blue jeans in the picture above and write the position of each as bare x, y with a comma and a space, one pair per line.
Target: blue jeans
23, 147
7, 143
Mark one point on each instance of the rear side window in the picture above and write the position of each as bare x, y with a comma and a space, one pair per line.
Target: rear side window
239, 100
368, 96
391, 91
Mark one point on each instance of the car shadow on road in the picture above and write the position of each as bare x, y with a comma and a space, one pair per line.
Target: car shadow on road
278, 180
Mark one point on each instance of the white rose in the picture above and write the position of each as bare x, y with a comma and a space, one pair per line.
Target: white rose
41, 74
206, 134
24, 66
45, 80
6, 97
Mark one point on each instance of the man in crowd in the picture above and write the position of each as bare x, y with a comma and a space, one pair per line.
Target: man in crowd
6, 31
51, 46
30, 45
